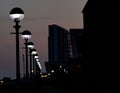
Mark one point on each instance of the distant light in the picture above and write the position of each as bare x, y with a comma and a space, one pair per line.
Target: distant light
43, 76
52, 71
60, 66
32, 71
1, 82
65, 71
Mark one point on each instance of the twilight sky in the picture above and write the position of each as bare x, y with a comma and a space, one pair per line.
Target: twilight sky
38, 14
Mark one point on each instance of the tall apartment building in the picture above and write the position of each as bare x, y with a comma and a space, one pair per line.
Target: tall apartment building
58, 45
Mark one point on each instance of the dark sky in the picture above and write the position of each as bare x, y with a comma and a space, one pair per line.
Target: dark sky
38, 14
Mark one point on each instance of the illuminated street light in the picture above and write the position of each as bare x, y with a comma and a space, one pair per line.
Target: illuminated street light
26, 35
30, 45
39, 65
17, 14
36, 56
52, 71
33, 52
37, 59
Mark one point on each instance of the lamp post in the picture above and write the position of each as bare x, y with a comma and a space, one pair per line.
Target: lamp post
17, 14
30, 46
37, 66
26, 35
34, 52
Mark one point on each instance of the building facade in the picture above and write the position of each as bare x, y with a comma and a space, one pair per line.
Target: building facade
102, 51
77, 42
58, 45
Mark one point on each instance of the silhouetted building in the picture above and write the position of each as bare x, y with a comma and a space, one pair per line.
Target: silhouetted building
77, 42
58, 45
47, 66
100, 24
101, 41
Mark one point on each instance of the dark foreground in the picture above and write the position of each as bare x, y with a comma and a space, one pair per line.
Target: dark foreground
32, 86
98, 80
56, 84
36, 86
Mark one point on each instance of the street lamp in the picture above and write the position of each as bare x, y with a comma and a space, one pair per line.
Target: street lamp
30, 45
37, 66
38, 62
26, 35
33, 52
17, 14
36, 56
37, 59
